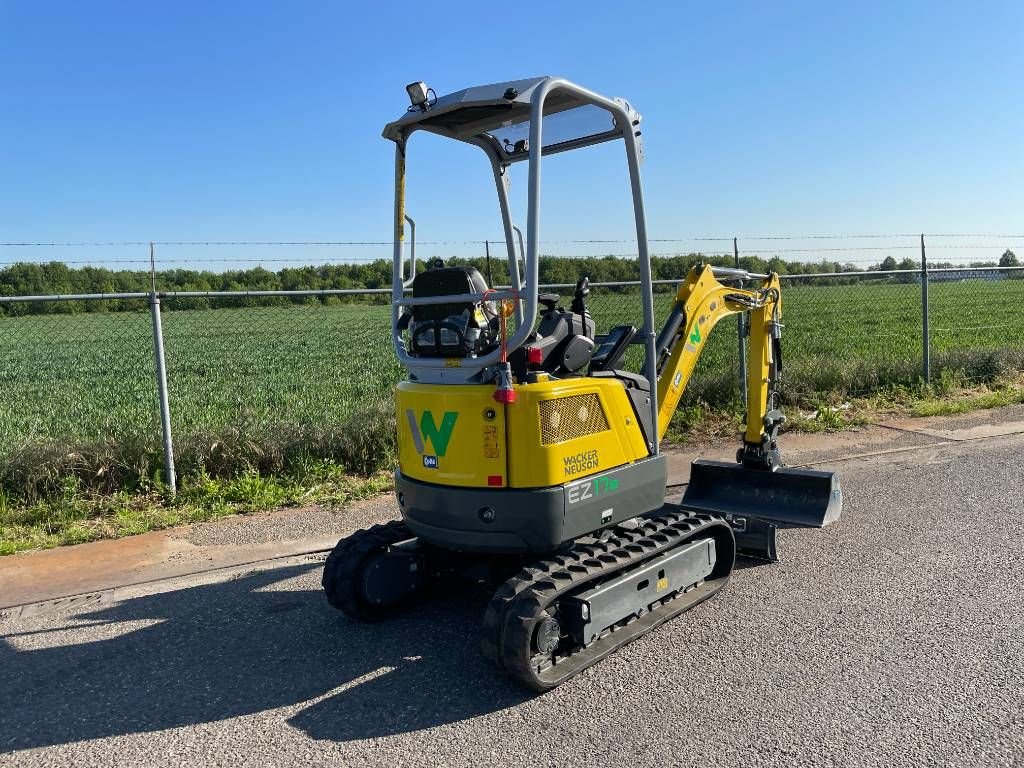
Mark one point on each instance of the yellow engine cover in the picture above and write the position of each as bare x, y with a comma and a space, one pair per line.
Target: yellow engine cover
451, 434
556, 431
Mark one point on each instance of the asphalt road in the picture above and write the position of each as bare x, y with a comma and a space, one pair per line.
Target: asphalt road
894, 637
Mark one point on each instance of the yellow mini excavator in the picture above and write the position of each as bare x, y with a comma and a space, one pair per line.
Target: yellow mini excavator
529, 457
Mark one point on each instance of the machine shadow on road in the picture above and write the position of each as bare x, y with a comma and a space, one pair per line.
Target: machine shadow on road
216, 651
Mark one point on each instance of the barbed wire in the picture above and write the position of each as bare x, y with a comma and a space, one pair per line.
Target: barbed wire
163, 264
497, 239
89, 262
215, 243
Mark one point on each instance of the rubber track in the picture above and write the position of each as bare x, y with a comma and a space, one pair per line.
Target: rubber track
513, 611
341, 570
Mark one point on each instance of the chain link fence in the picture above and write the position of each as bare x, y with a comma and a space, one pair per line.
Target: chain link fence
78, 374
976, 331
301, 360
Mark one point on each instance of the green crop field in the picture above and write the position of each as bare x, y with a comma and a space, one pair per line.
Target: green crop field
92, 375
75, 379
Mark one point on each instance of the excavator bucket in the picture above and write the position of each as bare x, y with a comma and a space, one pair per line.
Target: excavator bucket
786, 497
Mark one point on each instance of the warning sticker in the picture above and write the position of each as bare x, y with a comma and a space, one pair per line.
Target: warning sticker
491, 442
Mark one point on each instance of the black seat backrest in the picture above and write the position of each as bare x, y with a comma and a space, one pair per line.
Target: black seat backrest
445, 281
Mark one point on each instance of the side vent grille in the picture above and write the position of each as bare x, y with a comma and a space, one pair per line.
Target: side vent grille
566, 418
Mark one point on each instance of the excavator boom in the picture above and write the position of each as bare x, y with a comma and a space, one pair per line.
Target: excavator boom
701, 301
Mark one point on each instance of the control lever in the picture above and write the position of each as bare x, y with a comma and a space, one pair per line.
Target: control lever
579, 306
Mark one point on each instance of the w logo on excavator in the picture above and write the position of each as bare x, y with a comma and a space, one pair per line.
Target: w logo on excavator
693, 340
427, 430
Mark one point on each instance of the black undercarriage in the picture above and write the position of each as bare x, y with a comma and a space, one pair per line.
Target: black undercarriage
548, 618
556, 608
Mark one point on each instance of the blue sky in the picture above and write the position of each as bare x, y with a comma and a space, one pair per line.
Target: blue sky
261, 121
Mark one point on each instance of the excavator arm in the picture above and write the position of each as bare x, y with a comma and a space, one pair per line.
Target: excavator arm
699, 304
757, 492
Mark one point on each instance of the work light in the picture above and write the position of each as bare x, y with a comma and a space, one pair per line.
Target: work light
417, 94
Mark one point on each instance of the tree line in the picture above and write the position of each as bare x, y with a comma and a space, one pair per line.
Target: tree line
43, 279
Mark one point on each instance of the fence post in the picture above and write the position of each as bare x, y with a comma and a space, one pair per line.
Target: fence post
161, 377
741, 328
926, 367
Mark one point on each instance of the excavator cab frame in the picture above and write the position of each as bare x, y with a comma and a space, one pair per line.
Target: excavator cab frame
510, 122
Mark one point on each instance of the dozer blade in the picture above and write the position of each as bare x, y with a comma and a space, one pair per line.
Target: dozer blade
787, 496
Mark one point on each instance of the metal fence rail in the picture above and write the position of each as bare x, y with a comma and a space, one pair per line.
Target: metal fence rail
206, 360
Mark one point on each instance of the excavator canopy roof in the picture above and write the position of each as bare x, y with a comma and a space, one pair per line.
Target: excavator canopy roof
499, 115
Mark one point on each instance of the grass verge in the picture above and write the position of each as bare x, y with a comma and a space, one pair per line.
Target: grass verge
78, 516
987, 398
55, 494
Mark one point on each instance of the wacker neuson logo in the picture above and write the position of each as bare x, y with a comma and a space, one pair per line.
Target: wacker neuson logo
427, 431
580, 462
